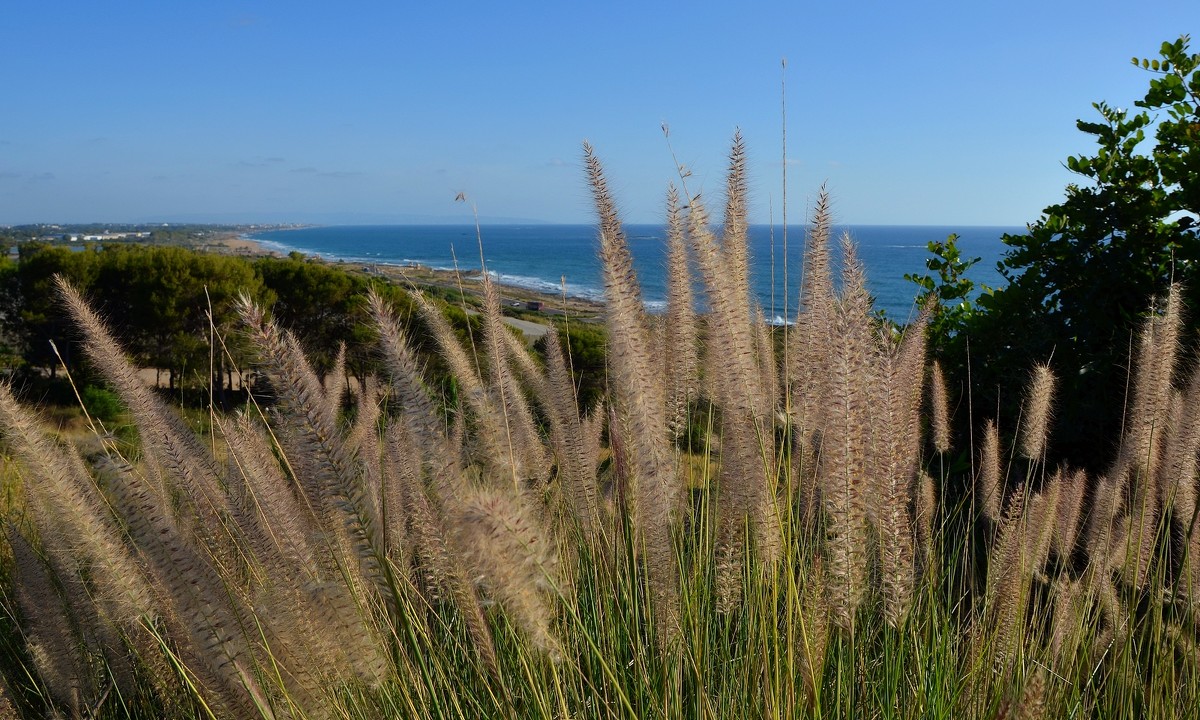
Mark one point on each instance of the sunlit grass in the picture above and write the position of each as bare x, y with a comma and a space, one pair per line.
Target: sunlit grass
518, 556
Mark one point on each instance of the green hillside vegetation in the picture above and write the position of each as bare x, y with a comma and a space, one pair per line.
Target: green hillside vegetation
172, 302
711, 519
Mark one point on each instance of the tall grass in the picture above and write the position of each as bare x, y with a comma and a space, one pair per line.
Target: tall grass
516, 555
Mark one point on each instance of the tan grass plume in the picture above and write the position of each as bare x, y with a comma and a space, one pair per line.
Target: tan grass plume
1039, 401
989, 486
637, 390
679, 331
845, 424
940, 405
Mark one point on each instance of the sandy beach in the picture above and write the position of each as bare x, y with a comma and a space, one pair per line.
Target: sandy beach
234, 243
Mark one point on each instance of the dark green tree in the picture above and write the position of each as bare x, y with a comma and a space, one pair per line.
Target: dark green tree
320, 303
36, 318
949, 292
164, 296
8, 305
1083, 275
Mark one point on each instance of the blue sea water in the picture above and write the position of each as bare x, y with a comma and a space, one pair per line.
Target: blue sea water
544, 257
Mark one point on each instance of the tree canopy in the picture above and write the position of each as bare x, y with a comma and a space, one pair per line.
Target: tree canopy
1082, 275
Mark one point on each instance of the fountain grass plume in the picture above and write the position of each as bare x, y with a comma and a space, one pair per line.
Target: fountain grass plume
1178, 481
637, 391
989, 484
321, 462
279, 522
1149, 430
735, 228
1103, 521
925, 511
812, 334
1009, 573
940, 404
570, 439
402, 367
844, 424
56, 649
331, 476
212, 616
422, 526
497, 452
420, 450
510, 555
1039, 403
1074, 484
362, 437
747, 478
808, 360
72, 519
894, 455
106, 588
186, 467
1043, 514
520, 426
679, 331
334, 381
1148, 413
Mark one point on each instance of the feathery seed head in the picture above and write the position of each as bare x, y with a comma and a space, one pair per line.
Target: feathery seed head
1070, 509
641, 422
511, 554
941, 409
926, 511
990, 486
1038, 412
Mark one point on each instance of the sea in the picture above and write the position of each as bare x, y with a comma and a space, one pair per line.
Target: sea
554, 258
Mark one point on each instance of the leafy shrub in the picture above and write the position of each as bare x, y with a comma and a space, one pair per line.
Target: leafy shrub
101, 404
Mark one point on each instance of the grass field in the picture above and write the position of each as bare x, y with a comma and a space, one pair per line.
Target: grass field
363, 550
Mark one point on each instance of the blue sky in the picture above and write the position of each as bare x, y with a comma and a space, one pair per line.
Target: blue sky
912, 113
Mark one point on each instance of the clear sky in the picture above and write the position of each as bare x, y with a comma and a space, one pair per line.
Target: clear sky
358, 112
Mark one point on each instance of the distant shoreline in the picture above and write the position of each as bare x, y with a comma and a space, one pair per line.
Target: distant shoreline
544, 258
421, 276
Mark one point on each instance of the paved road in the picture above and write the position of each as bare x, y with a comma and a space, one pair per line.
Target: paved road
533, 331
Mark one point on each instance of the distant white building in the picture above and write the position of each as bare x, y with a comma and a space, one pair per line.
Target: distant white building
114, 236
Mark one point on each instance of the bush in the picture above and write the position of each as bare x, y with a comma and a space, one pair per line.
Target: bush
101, 404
